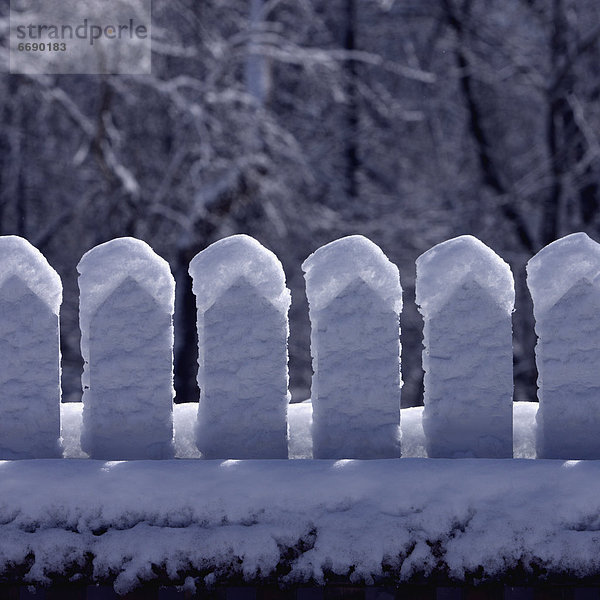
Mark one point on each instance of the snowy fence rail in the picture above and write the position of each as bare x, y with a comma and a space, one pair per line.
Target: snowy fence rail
464, 291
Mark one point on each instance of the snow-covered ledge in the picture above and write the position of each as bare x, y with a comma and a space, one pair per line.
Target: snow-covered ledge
297, 521
292, 521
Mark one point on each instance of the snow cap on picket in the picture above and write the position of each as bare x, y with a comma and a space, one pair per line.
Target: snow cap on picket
555, 269
20, 259
446, 266
104, 267
215, 269
336, 265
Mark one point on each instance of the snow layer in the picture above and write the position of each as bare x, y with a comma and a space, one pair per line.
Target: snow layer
465, 293
22, 259
184, 425
413, 438
71, 420
564, 281
333, 267
524, 429
126, 308
449, 263
243, 328
298, 520
355, 299
184, 422
216, 269
30, 298
299, 430
553, 271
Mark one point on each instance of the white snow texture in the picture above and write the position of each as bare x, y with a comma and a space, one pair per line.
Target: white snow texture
298, 519
299, 426
355, 299
465, 293
127, 297
30, 298
564, 280
242, 304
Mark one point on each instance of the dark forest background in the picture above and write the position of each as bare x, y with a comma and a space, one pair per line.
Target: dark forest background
301, 121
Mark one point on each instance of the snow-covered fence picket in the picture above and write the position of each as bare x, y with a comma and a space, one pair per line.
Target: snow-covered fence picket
127, 297
355, 301
30, 298
564, 280
242, 303
465, 293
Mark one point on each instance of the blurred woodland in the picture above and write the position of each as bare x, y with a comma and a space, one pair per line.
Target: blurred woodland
301, 121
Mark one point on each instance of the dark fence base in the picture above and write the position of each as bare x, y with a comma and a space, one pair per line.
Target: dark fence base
329, 592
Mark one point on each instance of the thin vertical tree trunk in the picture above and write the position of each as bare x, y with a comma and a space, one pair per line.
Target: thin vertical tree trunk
255, 68
554, 129
352, 163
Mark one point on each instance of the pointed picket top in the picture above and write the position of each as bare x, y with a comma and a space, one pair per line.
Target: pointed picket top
103, 268
18, 258
216, 268
447, 266
336, 265
561, 265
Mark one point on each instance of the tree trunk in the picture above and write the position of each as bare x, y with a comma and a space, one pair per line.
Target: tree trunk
352, 163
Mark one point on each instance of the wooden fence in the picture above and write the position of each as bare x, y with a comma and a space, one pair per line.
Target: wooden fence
464, 291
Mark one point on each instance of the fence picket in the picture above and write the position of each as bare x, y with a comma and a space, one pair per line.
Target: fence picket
242, 304
126, 317
30, 299
563, 281
355, 301
465, 293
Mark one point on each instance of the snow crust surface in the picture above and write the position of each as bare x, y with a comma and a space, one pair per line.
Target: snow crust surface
355, 299
465, 293
126, 317
242, 304
30, 298
564, 280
